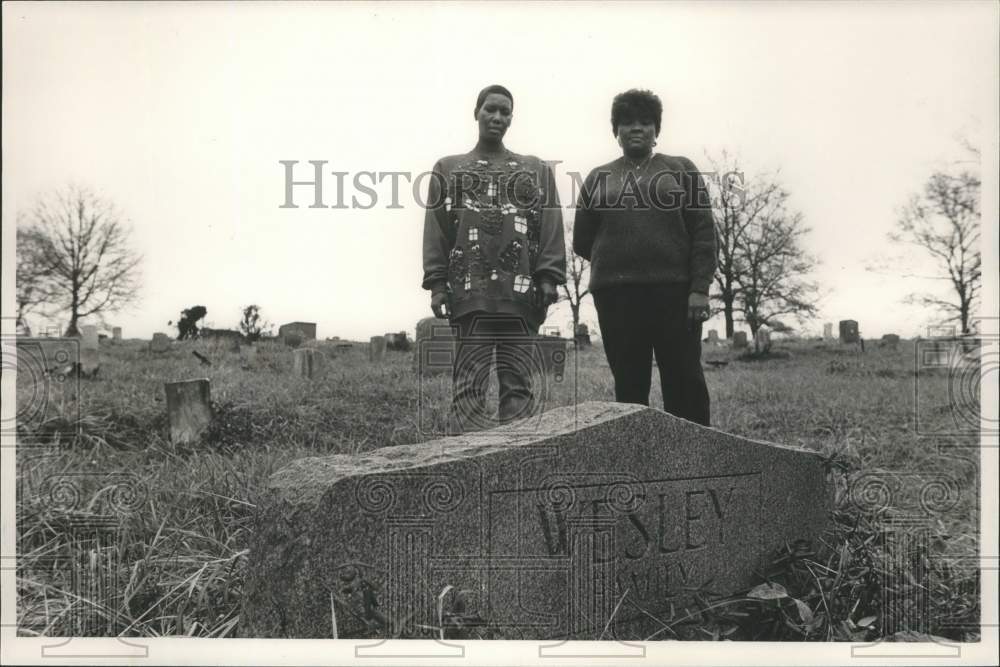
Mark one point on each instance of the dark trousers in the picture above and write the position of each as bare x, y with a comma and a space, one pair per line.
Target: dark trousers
485, 341
638, 321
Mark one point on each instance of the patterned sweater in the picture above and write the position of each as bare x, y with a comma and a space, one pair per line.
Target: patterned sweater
492, 231
647, 225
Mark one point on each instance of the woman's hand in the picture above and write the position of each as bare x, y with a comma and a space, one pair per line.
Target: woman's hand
546, 294
439, 304
698, 310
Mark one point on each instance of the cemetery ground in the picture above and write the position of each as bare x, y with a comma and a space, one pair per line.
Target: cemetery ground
178, 557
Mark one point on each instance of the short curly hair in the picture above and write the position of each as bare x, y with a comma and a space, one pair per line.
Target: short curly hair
636, 104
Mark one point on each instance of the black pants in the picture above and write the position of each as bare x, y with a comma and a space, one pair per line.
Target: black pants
638, 321
484, 341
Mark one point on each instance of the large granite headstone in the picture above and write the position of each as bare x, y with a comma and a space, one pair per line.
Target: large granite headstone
739, 340
849, 331
544, 534
434, 347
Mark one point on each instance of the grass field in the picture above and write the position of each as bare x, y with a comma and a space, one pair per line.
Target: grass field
179, 554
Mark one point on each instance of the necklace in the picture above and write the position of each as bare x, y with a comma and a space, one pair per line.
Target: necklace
638, 168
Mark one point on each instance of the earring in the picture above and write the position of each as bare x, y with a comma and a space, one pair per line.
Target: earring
654, 142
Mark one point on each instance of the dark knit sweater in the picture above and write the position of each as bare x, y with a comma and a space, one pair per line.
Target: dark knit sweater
632, 234
492, 232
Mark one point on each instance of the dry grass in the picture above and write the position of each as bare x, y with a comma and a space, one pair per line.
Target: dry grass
177, 558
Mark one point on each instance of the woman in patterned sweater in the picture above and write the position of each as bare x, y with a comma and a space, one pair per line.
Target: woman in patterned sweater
493, 255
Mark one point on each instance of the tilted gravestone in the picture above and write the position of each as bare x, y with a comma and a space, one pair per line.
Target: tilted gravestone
160, 342
542, 533
189, 409
116, 334
376, 349
828, 331
434, 347
739, 340
849, 331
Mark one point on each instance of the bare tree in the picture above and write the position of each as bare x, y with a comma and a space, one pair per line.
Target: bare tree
252, 323
944, 220
774, 281
28, 273
738, 206
577, 277
81, 260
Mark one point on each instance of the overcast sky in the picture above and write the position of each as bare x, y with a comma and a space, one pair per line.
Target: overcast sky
181, 114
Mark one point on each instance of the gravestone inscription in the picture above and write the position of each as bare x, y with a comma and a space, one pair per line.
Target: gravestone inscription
542, 534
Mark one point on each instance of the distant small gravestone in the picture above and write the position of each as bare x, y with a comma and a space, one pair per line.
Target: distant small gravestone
762, 341
160, 342
297, 332
90, 355
540, 534
713, 337
116, 334
305, 362
739, 340
434, 347
397, 341
828, 331
891, 341
849, 331
248, 355
189, 409
376, 349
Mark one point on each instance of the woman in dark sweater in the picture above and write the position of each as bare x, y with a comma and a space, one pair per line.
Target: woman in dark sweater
644, 221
